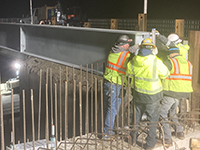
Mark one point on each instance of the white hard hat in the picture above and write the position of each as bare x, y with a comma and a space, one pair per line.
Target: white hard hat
174, 38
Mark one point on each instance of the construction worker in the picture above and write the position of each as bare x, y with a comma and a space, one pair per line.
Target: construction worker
146, 71
183, 48
176, 87
115, 68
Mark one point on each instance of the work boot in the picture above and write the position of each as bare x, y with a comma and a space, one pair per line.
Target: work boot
180, 135
168, 142
130, 139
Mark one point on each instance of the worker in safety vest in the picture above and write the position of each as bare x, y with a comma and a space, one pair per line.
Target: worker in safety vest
115, 71
183, 48
146, 71
174, 40
177, 86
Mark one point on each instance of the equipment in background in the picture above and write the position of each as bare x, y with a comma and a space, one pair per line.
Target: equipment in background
75, 17
51, 15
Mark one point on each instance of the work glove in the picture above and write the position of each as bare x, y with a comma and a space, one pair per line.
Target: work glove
157, 33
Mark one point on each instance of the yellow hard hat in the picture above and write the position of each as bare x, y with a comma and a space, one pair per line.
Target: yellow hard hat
147, 42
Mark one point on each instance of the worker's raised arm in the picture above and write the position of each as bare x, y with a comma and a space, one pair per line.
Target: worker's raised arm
164, 40
163, 71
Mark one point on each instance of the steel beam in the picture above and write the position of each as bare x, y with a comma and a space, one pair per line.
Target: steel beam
73, 46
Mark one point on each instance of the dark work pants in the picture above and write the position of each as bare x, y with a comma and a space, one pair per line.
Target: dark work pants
152, 110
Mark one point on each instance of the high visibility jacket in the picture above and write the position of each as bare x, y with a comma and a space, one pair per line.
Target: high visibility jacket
183, 50
147, 72
116, 67
180, 79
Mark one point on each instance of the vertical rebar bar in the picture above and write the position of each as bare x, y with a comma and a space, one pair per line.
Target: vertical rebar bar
122, 102
86, 122
66, 73
60, 106
102, 121
111, 83
13, 119
87, 72
97, 69
92, 98
122, 93
128, 101
33, 126
102, 124
73, 73
80, 108
74, 113
2, 125
56, 114
134, 110
47, 119
24, 118
81, 73
66, 109
51, 95
117, 93
96, 113
39, 113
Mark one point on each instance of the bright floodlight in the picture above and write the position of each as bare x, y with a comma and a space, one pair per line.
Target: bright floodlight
17, 66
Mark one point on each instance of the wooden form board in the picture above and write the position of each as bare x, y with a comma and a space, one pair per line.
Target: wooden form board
179, 27
142, 22
194, 58
114, 24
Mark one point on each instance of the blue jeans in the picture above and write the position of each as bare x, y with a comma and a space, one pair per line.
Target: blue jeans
107, 104
169, 103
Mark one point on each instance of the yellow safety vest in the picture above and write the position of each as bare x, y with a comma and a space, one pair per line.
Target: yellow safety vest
183, 50
147, 72
180, 79
116, 67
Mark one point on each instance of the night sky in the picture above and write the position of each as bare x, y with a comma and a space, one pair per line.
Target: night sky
129, 9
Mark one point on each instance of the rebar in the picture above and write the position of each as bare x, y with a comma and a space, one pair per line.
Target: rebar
47, 120
74, 111
80, 107
2, 125
111, 99
51, 96
66, 109
95, 112
102, 121
92, 98
39, 113
24, 118
86, 119
33, 126
13, 119
60, 91
56, 113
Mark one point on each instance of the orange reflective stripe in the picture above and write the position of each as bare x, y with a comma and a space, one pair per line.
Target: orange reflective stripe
116, 70
178, 65
115, 65
119, 65
174, 65
177, 75
124, 58
119, 57
190, 68
178, 79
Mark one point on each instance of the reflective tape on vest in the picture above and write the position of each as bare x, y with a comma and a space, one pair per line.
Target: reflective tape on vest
148, 91
119, 65
177, 75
